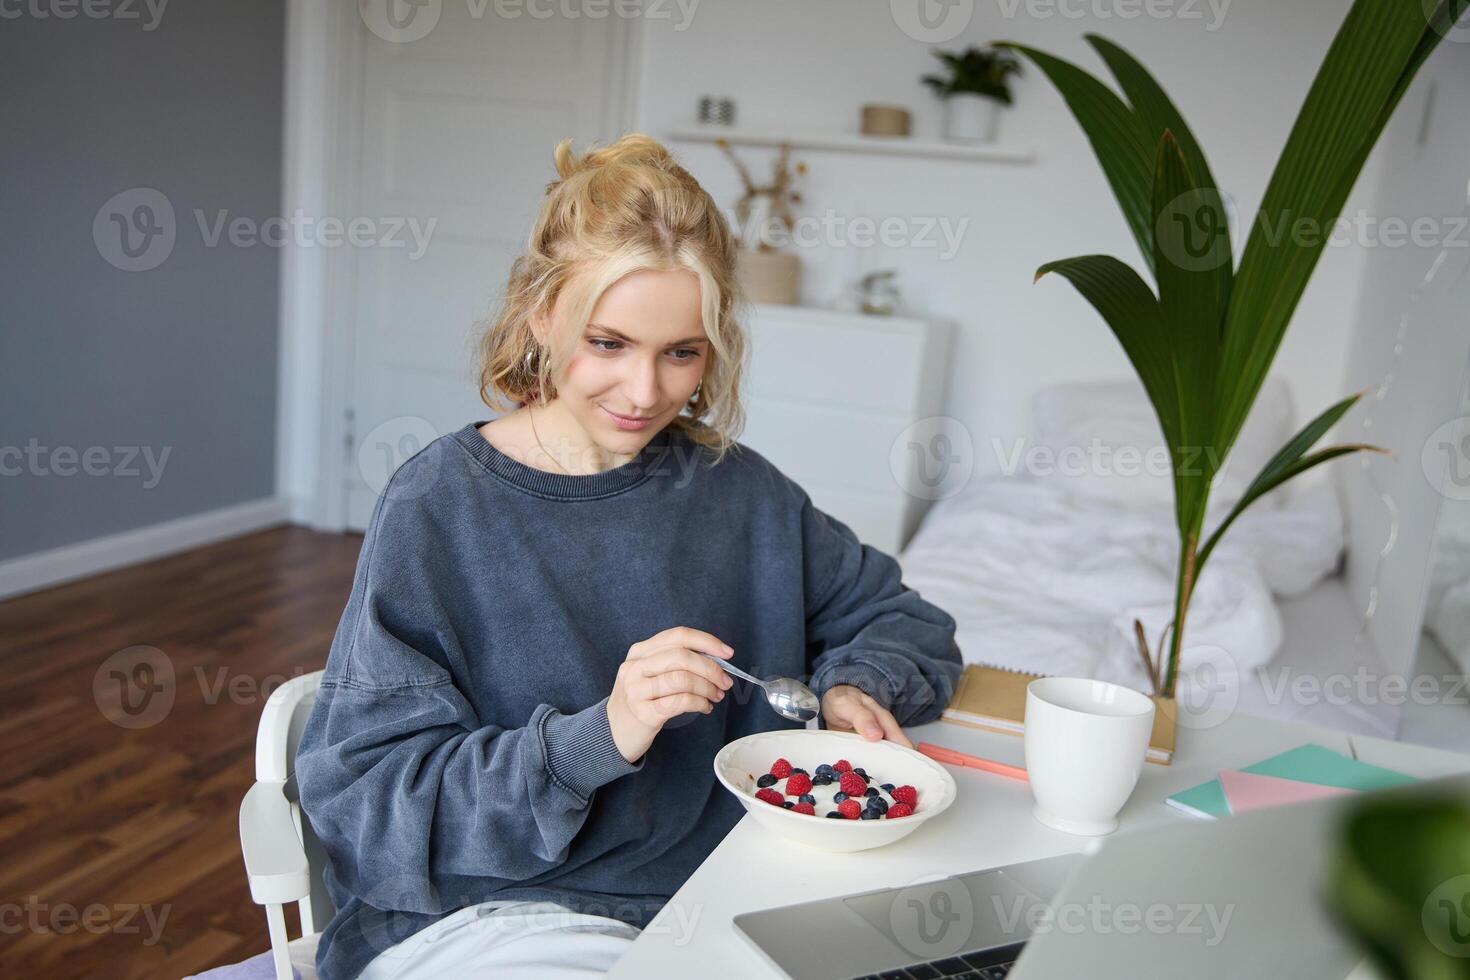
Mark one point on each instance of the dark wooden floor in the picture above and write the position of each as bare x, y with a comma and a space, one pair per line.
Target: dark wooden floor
102, 824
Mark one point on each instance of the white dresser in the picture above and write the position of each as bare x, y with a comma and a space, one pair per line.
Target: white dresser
828, 394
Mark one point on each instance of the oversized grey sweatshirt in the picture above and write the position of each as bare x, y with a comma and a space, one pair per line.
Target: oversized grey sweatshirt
459, 750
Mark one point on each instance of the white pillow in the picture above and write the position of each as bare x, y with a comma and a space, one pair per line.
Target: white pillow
1103, 441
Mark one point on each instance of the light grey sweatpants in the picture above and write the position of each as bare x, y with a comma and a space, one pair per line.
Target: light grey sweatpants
507, 941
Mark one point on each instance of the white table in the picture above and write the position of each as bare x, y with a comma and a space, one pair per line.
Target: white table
988, 825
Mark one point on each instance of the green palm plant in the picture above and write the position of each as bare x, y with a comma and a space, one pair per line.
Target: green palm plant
1204, 338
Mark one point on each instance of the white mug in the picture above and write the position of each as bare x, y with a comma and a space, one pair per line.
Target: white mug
1085, 747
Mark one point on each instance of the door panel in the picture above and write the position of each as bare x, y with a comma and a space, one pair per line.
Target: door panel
458, 127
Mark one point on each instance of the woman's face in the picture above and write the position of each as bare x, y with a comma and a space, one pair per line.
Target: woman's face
640, 358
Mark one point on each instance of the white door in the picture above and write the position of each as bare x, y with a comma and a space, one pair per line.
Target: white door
458, 126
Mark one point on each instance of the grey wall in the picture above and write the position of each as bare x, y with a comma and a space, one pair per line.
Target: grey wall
97, 362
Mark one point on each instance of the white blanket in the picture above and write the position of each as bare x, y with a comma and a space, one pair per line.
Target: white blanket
1049, 581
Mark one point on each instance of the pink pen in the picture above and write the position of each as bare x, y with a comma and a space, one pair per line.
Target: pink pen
941, 754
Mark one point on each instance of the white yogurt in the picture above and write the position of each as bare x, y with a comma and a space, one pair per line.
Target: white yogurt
824, 795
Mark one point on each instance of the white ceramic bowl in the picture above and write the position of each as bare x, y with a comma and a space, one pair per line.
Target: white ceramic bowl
739, 764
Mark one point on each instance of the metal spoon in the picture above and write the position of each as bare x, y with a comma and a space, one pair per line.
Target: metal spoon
788, 697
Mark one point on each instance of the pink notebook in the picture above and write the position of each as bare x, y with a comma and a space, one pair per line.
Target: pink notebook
1250, 791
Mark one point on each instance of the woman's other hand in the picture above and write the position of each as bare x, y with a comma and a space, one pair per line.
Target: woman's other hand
664, 676
849, 709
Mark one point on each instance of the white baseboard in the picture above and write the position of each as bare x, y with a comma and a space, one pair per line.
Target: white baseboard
47, 568
301, 510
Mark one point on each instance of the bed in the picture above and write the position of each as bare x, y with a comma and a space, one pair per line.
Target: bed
1045, 568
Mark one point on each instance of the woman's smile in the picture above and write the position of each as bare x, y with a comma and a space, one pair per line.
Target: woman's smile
630, 423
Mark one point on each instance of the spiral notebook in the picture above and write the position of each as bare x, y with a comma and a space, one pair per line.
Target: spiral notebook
994, 698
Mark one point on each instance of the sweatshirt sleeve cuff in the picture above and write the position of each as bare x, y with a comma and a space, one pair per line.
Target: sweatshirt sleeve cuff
580, 752
866, 677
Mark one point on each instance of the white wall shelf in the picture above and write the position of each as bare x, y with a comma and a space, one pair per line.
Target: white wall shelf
855, 143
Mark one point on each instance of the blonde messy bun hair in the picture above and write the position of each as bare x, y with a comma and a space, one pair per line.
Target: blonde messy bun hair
613, 211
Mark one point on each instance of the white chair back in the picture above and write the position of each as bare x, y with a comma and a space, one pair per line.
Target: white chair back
281, 725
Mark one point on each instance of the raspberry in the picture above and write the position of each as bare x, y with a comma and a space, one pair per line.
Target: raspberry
780, 769
853, 785
798, 783
850, 809
906, 794
842, 765
899, 810
770, 796
806, 808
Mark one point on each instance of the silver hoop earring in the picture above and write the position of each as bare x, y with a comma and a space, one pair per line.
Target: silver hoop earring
697, 388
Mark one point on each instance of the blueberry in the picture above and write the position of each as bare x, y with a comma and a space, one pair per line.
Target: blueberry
766, 780
821, 780
861, 772
888, 787
808, 798
802, 771
869, 815
871, 791
833, 815
787, 804
877, 804
839, 797
824, 770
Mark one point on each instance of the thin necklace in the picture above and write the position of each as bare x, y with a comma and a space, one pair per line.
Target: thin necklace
531, 415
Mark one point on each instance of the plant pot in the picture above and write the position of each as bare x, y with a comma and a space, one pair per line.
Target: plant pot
769, 277
971, 118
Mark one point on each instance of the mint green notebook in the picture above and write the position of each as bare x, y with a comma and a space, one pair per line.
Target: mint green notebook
1305, 763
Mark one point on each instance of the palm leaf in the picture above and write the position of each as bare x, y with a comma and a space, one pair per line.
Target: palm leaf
1203, 345
1369, 65
1189, 303
1123, 145
1131, 311
1203, 204
1288, 462
1261, 487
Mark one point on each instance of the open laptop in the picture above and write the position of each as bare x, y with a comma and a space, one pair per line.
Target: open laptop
1239, 897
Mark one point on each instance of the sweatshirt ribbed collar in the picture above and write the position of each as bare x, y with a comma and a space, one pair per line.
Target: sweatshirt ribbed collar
566, 486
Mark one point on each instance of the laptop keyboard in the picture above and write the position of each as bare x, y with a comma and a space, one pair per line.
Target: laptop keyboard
986, 964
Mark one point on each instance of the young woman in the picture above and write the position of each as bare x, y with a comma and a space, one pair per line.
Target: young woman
509, 761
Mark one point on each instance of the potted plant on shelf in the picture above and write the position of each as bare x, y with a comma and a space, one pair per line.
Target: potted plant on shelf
975, 87
767, 273
1203, 338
